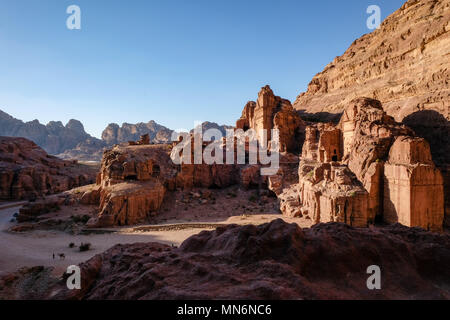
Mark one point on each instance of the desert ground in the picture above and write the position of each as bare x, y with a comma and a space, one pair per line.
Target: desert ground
36, 247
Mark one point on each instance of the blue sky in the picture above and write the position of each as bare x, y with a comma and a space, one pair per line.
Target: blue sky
174, 62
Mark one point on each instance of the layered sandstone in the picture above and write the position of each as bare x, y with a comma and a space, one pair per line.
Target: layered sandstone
326, 191
404, 64
413, 186
27, 171
270, 261
367, 135
272, 112
129, 203
133, 180
366, 168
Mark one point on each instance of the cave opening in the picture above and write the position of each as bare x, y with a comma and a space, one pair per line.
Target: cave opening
156, 171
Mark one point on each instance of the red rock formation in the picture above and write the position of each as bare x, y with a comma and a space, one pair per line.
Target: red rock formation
133, 181
27, 171
128, 203
368, 134
326, 193
400, 64
323, 143
413, 186
404, 64
383, 172
270, 261
272, 112
32, 210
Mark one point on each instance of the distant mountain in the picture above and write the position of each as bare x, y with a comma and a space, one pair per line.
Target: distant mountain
54, 137
212, 125
72, 142
113, 134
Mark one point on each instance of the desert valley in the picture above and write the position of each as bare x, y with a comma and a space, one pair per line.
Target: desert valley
363, 179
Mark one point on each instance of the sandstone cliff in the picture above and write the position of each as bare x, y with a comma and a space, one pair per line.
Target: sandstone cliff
27, 171
405, 64
272, 112
367, 168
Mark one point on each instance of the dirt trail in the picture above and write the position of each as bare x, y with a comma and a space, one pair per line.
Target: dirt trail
36, 248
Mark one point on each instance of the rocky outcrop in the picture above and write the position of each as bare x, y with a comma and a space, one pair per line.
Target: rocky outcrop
133, 180
400, 64
72, 142
89, 150
404, 64
327, 193
27, 171
413, 186
270, 261
128, 203
211, 125
32, 210
367, 135
115, 134
367, 168
272, 112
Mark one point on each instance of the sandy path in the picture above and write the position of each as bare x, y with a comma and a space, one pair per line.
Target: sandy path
37, 247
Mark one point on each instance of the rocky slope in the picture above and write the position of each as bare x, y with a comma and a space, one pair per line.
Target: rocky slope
404, 64
270, 261
27, 171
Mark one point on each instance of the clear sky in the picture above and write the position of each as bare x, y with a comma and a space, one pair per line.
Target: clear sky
169, 61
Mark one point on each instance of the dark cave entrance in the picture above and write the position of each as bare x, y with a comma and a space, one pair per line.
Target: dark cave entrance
334, 158
156, 171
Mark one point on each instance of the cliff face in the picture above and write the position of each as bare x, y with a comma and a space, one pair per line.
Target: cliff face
405, 64
367, 168
27, 171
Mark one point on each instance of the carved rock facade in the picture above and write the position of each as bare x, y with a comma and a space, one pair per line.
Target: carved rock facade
366, 168
272, 112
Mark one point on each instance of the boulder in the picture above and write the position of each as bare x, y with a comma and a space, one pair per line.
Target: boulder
128, 203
